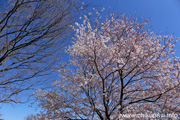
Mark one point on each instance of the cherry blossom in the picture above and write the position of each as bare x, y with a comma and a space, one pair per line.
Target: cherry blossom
117, 67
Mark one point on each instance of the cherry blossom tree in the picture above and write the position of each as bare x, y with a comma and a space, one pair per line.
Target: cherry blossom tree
117, 67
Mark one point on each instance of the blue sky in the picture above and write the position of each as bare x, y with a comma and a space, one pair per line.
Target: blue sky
164, 16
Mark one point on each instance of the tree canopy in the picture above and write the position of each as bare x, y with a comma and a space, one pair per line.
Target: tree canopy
117, 66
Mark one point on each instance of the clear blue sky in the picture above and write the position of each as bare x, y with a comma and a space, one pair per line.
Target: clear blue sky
164, 15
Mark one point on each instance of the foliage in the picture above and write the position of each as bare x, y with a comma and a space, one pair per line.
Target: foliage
117, 67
